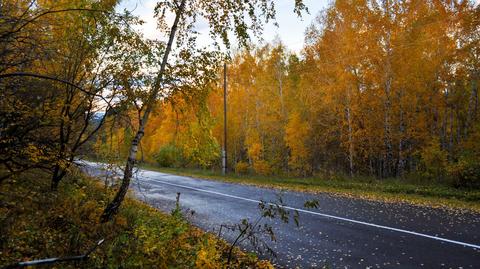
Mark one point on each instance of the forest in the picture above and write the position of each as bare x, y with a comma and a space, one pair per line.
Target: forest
382, 92
373, 93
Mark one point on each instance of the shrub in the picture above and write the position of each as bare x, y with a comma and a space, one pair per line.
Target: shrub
433, 161
241, 168
208, 257
169, 156
465, 173
262, 167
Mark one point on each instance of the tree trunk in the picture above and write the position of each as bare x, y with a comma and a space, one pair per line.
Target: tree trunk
472, 106
112, 207
280, 91
444, 128
55, 178
452, 131
387, 129
387, 165
350, 134
401, 159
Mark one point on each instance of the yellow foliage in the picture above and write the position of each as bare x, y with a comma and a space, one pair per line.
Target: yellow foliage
255, 151
296, 134
263, 264
241, 168
121, 221
262, 167
253, 145
139, 237
208, 256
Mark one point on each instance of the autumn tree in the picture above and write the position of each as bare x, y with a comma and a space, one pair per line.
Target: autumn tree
223, 17
296, 137
66, 78
381, 88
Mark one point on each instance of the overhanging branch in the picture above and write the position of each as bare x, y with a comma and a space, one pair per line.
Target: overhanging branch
40, 76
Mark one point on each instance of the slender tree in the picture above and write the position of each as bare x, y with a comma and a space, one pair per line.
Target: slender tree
223, 17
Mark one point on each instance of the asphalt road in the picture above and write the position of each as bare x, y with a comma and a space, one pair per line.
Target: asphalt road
340, 233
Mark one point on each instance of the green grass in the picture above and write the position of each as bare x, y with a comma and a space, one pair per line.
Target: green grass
37, 223
388, 190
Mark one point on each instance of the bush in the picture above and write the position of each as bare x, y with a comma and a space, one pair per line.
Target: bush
169, 156
241, 168
433, 161
262, 167
465, 173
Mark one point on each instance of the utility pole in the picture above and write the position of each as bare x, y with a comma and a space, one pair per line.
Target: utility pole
224, 150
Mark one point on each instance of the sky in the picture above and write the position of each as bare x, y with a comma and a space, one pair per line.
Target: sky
291, 30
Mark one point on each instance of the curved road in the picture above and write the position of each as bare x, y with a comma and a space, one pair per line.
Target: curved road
341, 233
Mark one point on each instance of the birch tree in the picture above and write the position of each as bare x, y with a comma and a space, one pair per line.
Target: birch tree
225, 18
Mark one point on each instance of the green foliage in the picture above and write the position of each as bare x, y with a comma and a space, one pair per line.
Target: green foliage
227, 18
433, 161
199, 145
465, 172
169, 156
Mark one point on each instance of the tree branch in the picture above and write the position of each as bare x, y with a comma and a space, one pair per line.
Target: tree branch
26, 74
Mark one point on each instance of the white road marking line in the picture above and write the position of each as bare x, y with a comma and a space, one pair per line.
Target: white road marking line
325, 215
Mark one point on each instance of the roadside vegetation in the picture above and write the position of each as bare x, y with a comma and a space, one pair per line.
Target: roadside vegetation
415, 191
37, 223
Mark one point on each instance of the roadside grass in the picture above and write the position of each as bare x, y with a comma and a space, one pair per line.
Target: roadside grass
433, 194
36, 223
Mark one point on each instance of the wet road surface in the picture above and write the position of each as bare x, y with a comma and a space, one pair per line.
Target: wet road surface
341, 233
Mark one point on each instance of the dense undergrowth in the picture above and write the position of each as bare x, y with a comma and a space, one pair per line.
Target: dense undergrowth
37, 223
